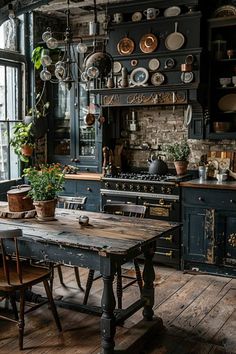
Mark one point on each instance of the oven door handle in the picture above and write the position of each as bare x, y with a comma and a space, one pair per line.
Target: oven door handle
160, 205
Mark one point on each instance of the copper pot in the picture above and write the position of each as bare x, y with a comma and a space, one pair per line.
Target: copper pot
186, 67
18, 199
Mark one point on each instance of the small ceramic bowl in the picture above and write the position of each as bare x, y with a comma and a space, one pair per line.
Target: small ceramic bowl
83, 220
225, 81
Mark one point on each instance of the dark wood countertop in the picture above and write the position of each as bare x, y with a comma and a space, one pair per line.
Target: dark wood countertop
209, 184
85, 176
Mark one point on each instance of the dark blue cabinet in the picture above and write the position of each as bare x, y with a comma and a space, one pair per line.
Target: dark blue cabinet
209, 230
84, 188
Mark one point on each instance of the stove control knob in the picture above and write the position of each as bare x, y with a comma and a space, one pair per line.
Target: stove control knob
123, 186
163, 189
107, 185
152, 190
117, 186
145, 188
131, 187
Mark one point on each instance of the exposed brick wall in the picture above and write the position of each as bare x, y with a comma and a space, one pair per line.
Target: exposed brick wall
159, 126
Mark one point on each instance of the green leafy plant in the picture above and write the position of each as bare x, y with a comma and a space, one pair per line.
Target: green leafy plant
36, 57
22, 135
178, 151
45, 182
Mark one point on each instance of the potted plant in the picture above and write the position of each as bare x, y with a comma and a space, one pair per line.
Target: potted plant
45, 184
23, 140
179, 153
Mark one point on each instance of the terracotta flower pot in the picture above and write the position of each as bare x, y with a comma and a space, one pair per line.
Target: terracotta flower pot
181, 167
45, 209
27, 150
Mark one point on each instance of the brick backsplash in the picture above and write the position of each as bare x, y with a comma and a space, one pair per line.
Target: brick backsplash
159, 126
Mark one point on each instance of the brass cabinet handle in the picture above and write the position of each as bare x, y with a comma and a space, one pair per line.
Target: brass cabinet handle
167, 238
166, 254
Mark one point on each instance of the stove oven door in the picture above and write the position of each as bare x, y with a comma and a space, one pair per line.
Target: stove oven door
117, 197
163, 208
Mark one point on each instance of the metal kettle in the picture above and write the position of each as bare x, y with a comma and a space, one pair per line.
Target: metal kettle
157, 166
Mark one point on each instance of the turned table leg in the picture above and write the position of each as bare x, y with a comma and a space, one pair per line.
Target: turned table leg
108, 327
148, 288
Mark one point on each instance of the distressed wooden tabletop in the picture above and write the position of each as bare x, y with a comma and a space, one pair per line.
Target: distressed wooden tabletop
116, 234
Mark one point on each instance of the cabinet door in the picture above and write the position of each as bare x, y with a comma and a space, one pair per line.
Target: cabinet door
199, 235
59, 141
222, 88
194, 234
226, 236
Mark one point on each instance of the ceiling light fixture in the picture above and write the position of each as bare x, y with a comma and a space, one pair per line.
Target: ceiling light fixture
63, 67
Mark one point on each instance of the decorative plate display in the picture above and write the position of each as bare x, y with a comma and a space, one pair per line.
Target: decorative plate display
139, 76
169, 63
172, 11
137, 16
227, 103
187, 77
116, 67
153, 64
224, 11
157, 79
148, 43
125, 46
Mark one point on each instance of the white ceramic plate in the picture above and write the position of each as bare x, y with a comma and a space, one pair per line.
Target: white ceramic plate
172, 11
137, 16
187, 77
153, 64
228, 103
157, 79
116, 67
139, 76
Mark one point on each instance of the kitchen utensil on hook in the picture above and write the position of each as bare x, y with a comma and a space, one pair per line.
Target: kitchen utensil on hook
188, 115
174, 40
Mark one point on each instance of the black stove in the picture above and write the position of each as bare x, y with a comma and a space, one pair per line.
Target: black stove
160, 195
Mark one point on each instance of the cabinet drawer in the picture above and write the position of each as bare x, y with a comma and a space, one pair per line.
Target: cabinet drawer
86, 188
170, 240
209, 198
167, 256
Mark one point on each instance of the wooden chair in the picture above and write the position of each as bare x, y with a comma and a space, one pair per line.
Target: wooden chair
75, 203
132, 210
18, 275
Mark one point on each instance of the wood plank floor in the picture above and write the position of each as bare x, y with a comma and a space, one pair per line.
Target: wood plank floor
198, 313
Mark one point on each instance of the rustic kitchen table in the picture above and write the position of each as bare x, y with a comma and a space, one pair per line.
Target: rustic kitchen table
106, 242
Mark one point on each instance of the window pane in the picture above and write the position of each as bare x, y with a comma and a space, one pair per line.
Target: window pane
9, 112
2, 93
12, 93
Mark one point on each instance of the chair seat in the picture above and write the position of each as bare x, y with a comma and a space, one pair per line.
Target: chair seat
30, 274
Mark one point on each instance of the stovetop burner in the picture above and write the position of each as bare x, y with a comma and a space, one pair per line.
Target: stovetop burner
144, 176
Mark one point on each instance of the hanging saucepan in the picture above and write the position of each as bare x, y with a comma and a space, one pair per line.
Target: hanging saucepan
98, 62
174, 40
